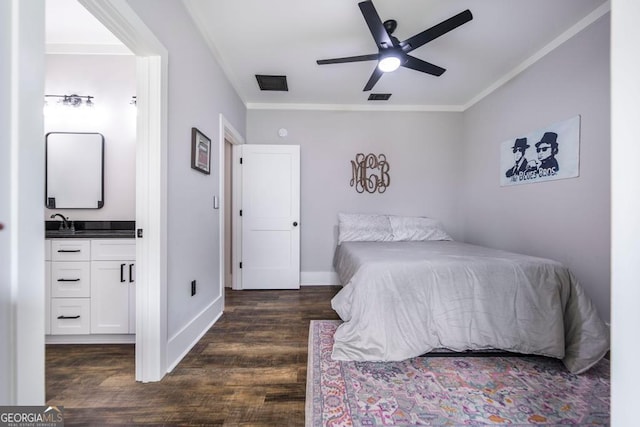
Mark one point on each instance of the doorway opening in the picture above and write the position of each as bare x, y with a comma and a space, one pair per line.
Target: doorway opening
150, 179
88, 283
228, 217
230, 190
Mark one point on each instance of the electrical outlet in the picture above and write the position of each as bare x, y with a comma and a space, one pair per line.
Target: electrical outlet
193, 287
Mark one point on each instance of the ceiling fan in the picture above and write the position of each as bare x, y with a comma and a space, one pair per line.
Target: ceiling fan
393, 53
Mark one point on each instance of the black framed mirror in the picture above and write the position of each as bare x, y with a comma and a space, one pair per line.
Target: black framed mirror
74, 174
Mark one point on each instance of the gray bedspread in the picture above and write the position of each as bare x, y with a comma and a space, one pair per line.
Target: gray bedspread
404, 299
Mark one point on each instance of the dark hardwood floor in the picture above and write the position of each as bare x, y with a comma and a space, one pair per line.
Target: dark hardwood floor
248, 370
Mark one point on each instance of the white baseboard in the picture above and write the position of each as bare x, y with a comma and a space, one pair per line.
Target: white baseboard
183, 341
319, 278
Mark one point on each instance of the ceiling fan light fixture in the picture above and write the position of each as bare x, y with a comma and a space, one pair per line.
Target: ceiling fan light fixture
389, 63
393, 53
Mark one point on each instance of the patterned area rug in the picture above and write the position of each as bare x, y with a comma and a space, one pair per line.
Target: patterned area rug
449, 391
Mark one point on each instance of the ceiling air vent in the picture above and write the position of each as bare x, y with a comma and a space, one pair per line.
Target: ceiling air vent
272, 82
379, 97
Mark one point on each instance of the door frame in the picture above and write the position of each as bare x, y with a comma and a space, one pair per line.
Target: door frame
151, 181
229, 133
22, 355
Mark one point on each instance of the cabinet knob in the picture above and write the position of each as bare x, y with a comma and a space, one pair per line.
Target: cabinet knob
295, 223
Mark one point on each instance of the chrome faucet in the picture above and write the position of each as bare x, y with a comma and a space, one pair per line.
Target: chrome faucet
65, 224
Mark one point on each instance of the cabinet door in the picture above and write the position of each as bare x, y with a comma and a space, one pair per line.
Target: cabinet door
110, 284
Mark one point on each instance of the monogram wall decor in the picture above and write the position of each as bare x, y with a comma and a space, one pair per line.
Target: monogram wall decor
370, 173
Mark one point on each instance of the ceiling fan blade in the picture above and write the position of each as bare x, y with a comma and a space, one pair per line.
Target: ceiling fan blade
374, 23
348, 59
423, 66
375, 76
437, 30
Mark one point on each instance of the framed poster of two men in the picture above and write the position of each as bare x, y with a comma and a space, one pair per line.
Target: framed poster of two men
543, 155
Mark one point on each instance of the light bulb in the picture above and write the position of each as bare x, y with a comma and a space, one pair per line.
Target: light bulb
389, 63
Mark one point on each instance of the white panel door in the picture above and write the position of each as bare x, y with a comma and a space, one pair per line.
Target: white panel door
270, 216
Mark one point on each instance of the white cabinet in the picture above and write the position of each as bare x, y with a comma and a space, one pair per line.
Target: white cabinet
69, 283
112, 286
90, 289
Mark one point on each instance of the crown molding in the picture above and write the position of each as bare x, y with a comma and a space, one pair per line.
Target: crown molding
354, 107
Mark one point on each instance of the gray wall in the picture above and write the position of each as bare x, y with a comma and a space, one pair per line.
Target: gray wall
198, 92
421, 149
566, 220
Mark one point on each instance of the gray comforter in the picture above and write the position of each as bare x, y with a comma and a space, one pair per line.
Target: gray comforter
404, 299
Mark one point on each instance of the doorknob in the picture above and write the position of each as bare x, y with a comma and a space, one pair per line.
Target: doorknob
295, 223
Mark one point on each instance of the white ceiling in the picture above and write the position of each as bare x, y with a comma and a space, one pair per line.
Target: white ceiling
67, 22
286, 37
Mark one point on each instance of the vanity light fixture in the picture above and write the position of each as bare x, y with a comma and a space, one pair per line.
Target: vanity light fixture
72, 100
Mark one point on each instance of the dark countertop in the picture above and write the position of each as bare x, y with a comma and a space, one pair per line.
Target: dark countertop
91, 230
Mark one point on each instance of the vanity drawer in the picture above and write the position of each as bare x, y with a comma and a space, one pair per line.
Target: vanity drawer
113, 249
70, 279
70, 250
70, 316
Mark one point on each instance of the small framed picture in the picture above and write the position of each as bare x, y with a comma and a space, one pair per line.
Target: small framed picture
200, 152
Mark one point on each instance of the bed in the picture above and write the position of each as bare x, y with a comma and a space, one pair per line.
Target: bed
409, 289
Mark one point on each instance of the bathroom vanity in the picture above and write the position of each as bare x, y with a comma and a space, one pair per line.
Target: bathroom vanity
90, 286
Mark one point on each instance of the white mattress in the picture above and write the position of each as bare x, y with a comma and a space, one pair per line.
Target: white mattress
404, 299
